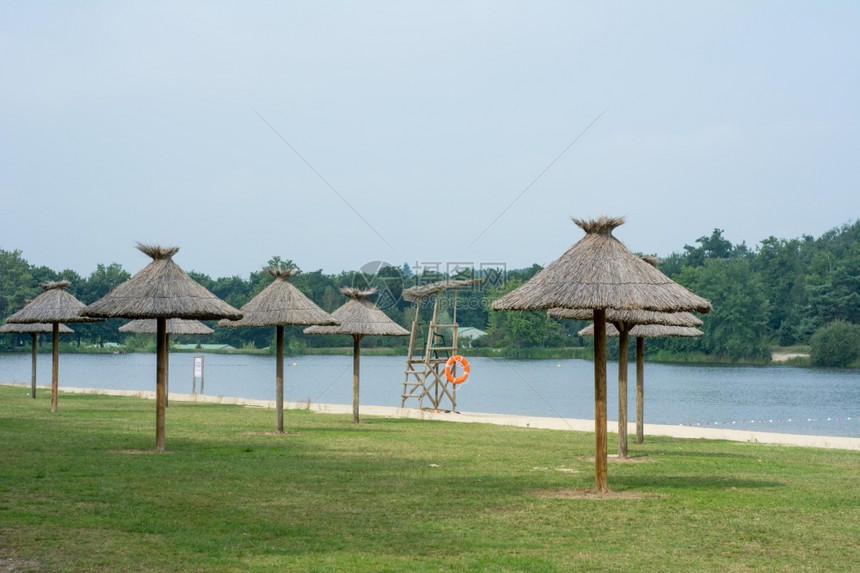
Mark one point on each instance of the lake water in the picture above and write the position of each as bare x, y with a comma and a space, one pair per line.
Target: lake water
771, 398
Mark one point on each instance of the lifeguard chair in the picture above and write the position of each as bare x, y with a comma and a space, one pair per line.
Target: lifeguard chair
425, 374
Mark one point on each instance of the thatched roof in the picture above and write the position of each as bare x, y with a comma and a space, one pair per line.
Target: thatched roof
174, 326
281, 303
33, 327
648, 331
599, 272
53, 305
424, 291
161, 290
360, 316
630, 316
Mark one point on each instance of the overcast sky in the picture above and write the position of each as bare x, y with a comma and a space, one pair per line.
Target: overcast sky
337, 133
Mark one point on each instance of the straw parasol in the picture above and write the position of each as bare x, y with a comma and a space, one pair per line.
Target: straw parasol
641, 332
419, 292
33, 328
648, 331
631, 317
53, 306
598, 273
623, 321
279, 304
359, 317
161, 290
174, 326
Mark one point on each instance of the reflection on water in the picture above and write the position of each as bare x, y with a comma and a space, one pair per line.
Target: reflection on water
823, 402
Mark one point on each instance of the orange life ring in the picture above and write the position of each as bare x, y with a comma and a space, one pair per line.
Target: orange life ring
459, 360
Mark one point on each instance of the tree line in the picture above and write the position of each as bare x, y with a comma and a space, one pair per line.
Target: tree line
803, 291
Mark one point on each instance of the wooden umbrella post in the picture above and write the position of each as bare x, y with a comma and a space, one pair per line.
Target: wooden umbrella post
622, 390
160, 382
33, 329
279, 378
640, 389
33, 369
640, 332
601, 481
55, 367
358, 317
356, 360
279, 304
167, 370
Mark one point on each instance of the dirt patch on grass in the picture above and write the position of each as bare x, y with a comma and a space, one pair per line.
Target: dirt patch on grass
9, 564
614, 459
135, 452
591, 494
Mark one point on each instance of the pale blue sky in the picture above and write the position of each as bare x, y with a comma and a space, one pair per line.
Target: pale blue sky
141, 121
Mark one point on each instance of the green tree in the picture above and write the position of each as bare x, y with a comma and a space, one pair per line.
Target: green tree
736, 328
17, 284
518, 329
234, 290
277, 262
97, 285
779, 265
836, 299
831, 280
835, 345
45, 274
713, 247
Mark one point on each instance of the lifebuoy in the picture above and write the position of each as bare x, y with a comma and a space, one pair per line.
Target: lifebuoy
457, 359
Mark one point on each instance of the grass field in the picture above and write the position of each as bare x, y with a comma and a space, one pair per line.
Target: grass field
81, 490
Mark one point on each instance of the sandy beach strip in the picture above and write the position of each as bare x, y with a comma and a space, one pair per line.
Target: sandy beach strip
569, 424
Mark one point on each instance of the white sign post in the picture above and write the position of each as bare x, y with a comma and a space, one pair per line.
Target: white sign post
198, 373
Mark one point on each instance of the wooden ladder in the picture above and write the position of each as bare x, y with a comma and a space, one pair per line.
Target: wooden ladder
425, 375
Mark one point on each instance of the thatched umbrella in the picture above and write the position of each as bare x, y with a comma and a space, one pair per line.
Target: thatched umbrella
598, 273
359, 317
53, 306
623, 321
648, 331
641, 332
174, 326
161, 290
34, 328
419, 292
279, 304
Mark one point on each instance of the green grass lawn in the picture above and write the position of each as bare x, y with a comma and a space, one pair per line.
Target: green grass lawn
81, 490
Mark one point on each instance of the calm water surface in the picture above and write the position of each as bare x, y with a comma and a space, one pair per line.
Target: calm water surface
772, 398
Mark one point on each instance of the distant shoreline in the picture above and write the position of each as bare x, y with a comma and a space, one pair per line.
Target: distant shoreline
778, 357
